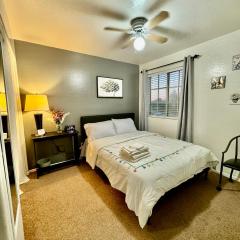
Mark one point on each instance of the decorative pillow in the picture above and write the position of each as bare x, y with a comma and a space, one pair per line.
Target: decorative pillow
99, 130
124, 125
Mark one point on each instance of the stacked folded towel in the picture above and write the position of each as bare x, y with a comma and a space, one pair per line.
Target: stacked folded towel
134, 152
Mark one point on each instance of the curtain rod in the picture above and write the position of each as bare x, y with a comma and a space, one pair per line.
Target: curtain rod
195, 56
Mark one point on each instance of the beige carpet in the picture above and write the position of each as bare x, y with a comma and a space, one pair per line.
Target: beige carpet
75, 203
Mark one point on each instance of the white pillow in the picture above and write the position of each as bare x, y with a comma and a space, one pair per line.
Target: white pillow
124, 125
99, 130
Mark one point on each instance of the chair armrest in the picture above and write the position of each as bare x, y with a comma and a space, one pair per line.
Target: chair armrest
229, 144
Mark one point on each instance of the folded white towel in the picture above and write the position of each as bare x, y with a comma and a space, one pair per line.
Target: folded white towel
134, 148
134, 158
140, 155
137, 146
132, 153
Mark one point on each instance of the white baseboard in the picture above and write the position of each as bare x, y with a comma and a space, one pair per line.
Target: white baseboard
32, 171
26, 179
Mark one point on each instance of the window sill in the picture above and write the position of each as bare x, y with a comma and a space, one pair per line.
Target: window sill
170, 118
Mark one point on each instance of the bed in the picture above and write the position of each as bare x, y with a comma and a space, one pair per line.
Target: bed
171, 162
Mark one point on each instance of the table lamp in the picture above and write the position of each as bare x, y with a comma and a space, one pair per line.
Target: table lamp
3, 111
35, 102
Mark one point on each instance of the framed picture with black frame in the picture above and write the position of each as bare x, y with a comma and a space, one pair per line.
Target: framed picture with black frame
109, 87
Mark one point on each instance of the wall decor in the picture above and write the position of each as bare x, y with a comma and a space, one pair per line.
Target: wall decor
236, 62
109, 87
69, 129
59, 117
235, 99
218, 82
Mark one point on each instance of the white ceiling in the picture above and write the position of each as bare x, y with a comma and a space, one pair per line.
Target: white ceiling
68, 24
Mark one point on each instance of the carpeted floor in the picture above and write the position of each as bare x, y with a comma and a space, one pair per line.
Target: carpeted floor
77, 204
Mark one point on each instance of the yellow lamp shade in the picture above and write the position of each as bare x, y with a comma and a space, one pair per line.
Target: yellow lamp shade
36, 103
3, 103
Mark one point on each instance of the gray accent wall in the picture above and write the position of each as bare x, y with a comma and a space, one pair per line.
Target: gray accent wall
69, 80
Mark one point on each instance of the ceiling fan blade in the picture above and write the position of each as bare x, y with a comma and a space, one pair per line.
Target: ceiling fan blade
156, 5
127, 42
89, 8
170, 32
156, 38
121, 41
116, 29
154, 22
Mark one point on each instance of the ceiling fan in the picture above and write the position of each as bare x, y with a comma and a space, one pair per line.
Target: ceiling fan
140, 30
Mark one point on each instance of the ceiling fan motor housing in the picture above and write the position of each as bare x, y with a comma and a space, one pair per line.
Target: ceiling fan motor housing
138, 23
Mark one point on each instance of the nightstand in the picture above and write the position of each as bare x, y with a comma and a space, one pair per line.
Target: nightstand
55, 150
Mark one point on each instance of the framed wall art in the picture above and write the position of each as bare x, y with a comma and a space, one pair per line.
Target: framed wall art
218, 82
109, 87
235, 99
236, 62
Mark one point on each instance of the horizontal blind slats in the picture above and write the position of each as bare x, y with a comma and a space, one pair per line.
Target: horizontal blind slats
165, 91
154, 82
163, 80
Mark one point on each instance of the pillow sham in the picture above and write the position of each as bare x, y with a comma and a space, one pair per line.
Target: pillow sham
99, 130
124, 125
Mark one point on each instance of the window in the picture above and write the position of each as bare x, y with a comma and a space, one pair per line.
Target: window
165, 93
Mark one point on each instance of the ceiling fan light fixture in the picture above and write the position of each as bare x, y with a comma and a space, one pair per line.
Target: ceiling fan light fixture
140, 31
139, 43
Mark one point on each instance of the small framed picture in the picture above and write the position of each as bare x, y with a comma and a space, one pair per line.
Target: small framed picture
235, 99
69, 129
109, 87
236, 62
218, 82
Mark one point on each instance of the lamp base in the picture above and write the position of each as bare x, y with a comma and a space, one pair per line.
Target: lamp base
38, 120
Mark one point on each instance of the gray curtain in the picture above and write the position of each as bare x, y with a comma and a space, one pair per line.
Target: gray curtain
185, 121
144, 101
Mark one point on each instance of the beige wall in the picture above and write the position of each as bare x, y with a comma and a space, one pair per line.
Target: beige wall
69, 80
165, 126
215, 121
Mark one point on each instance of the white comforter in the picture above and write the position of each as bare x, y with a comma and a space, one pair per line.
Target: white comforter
171, 162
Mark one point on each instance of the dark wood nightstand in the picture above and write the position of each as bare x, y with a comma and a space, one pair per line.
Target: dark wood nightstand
57, 149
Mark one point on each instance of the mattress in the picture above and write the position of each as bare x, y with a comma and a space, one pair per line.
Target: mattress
170, 163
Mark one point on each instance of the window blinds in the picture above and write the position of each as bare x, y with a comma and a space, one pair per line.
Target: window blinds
165, 92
